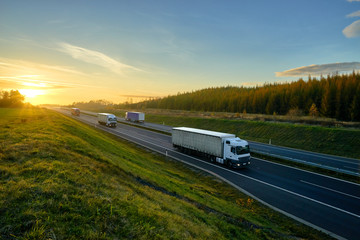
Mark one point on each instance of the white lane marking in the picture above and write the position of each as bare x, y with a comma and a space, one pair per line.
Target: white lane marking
349, 195
351, 167
299, 169
251, 178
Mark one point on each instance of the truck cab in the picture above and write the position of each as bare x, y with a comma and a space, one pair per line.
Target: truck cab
236, 152
107, 119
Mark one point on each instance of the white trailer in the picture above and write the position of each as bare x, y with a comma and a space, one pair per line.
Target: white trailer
224, 148
107, 119
135, 116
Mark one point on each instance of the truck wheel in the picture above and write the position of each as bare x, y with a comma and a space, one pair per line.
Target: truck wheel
228, 164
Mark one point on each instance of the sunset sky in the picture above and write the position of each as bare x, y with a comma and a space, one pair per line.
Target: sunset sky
61, 52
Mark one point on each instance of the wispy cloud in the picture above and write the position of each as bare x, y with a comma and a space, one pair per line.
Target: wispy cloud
353, 30
16, 74
35, 82
25, 66
95, 57
322, 69
354, 14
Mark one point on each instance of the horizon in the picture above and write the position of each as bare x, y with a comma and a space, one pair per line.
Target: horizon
65, 52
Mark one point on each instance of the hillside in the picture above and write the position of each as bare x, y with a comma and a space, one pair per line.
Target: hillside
336, 96
61, 179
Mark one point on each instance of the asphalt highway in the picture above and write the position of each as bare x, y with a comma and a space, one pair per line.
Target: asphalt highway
336, 163
325, 203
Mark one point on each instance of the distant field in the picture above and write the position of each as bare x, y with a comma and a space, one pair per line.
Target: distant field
61, 179
337, 141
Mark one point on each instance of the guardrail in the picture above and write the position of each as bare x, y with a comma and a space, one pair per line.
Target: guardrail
339, 170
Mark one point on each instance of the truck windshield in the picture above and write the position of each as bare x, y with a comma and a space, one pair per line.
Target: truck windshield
112, 119
242, 150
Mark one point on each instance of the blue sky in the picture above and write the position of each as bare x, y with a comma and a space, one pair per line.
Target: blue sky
66, 51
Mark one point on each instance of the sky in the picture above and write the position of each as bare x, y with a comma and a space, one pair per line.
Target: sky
60, 52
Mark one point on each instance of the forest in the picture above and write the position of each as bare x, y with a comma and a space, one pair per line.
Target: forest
12, 98
336, 96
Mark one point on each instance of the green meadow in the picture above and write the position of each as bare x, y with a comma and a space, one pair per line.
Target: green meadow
61, 179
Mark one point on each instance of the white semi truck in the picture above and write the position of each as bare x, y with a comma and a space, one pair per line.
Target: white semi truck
218, 147
107, 119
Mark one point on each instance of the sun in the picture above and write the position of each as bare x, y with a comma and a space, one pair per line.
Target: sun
31, 93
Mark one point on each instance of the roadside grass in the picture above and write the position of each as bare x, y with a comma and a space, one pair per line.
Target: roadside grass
289, 118
336, 141
61, 179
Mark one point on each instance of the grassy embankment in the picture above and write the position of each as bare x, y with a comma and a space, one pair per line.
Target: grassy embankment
61, 179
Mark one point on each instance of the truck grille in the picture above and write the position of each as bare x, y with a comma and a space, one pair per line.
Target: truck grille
244, 159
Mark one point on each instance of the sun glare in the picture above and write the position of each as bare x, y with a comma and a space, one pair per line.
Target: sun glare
31, 93
30, 84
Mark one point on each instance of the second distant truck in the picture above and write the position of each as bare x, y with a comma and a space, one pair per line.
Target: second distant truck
135, 116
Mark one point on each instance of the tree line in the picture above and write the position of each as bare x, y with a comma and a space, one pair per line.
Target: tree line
12, 98
94, 105
336, 96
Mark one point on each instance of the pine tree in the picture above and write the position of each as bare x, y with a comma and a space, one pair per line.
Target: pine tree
313, 111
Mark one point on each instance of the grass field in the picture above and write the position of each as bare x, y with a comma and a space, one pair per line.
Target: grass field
61, 179
337, 141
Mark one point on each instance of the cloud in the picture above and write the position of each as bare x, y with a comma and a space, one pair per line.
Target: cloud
16, 74
30, 82
96, 58
353, 0
354, 14
322, 69
12, 65
353, 30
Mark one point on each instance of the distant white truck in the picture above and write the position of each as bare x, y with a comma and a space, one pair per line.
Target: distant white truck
218, 147
107, 119
135, 116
